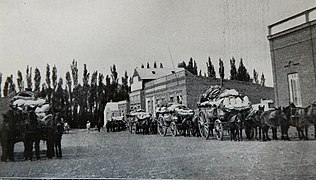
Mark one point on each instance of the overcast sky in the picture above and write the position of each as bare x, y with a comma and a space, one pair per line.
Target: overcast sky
128, 33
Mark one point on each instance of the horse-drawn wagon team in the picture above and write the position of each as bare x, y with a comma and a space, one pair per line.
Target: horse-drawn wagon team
220, 112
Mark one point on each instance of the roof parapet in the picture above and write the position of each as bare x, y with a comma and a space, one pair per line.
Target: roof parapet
304, 13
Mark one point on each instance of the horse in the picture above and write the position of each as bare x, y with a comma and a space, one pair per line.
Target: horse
32, 135
274, 119
10, 133
235, 126
186, 126
312, 115
195, 126
298, 117
58, 132
252, 122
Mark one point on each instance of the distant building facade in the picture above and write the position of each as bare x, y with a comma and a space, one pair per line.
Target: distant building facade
186, 88
139, 78
293, 60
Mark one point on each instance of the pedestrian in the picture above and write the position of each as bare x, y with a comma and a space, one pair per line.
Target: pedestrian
99, 124
88, 126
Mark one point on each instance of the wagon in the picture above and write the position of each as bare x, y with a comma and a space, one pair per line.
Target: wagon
216, 119
173, 118
138, 120
217, 109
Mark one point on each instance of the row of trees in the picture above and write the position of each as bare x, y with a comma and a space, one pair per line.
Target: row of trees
79, 101
240, 74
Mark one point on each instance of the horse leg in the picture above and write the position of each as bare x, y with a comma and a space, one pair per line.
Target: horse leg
37, 149
306, 132
315, 128
267, 133
239, 132
59, 147
10, 151
299, 132
274, 135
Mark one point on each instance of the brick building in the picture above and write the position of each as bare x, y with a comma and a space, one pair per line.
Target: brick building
139, 78
184, 87
293, 58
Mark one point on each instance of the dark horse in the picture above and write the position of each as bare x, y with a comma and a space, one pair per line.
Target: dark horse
252, 122
312, 116
298, 117
10, 133
274, 119
235, 126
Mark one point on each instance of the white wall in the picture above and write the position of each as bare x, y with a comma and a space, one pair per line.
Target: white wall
137, 85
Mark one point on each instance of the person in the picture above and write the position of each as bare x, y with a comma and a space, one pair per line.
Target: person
88, 126
99, 124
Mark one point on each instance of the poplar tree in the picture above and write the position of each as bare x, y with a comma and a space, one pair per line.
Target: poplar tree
19, 81
210, 69
37, 79
233, 70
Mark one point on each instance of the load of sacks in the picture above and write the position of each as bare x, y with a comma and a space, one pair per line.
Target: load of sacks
26, 101
140, 114
226, 98
176, 108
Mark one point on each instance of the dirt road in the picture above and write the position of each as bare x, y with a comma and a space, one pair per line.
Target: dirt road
124, 155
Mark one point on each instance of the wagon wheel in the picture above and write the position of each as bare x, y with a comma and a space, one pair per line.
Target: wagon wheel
162, 130
173, 128
204, 126
219, 129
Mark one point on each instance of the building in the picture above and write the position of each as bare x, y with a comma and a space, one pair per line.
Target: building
292, 48
139, 78
115, 109
186, 88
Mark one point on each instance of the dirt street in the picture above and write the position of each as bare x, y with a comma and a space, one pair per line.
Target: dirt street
124, 155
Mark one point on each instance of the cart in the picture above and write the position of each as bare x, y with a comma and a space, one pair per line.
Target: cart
173, 117
138, 120
217, 109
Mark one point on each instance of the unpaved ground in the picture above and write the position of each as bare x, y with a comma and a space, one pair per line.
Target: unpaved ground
124, 155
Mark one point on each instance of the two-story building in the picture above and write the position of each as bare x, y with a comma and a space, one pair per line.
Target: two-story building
139, 78
293, 48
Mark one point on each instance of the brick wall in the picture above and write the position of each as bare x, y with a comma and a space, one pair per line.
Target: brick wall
292, 51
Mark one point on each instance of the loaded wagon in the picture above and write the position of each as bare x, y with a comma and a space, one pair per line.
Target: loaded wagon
116, 124
221, 109
139, 121
176, 117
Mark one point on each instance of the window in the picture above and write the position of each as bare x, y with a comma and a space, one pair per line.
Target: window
179, 99
295, 90
171, 99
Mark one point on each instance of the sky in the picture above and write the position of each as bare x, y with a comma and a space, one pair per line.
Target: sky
129, 33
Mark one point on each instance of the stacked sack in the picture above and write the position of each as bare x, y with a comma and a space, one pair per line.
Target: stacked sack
176, 108
180, 110
25, 101
227, 98
140, 114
